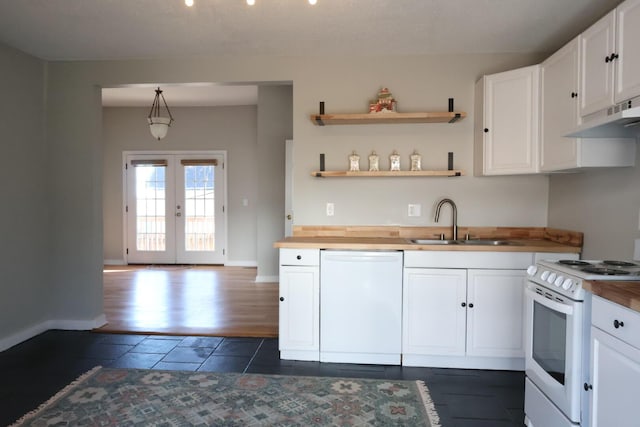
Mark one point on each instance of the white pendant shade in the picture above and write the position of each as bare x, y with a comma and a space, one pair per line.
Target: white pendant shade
159, 126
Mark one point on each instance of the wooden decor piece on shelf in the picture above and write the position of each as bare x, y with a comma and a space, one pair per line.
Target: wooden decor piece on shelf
388, 117
342, 174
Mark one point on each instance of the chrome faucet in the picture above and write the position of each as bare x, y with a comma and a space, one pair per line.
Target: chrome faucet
454, 216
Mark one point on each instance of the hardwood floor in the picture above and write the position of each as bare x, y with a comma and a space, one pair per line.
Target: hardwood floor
189, 300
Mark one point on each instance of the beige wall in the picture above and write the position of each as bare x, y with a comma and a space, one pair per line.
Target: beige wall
420, 83
233, 129
275, 127
604, 204
25, 284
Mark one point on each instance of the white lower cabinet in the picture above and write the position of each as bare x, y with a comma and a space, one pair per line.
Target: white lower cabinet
494, 323
434, 319
615, 365
299, 314
466, 318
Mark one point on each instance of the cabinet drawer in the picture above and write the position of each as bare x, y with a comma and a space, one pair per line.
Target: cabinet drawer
299, 256
605, 314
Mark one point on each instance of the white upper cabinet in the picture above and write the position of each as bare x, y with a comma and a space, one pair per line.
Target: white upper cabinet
506, 128
627, 62
610, 59
597, 44
559, 116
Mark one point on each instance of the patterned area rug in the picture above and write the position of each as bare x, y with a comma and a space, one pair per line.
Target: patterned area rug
137, 397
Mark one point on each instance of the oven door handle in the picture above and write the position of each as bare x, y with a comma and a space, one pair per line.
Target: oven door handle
553, 305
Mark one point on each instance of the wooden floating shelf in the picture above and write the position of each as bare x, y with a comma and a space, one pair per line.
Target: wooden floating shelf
336, 174
386, 118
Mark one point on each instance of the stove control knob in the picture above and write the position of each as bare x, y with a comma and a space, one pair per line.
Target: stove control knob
532, 270
552, 277
567, 284
544, 275
559, 281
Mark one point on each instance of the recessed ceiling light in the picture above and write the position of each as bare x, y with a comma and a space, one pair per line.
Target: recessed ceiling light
252, 2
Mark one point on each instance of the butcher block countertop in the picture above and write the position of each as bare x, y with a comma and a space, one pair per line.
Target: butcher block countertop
627, 294
524, 239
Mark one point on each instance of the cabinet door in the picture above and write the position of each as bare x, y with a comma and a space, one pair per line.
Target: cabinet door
434, 318
559, 109
597, 44
510, 136
495, 301
299, 310
615, 374
628, 61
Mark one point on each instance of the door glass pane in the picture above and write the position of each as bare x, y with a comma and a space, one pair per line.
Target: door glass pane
199, 214
150, 208
550, 341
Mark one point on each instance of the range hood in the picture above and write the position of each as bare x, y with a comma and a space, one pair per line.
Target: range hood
618, 123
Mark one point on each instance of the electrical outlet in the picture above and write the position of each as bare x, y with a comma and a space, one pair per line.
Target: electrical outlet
414, 210
330, 209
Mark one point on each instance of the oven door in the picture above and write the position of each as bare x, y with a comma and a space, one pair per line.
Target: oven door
553, 347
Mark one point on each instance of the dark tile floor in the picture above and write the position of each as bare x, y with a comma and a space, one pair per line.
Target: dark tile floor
35, 370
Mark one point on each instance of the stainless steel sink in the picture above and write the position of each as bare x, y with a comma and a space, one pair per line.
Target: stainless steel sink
435, 242
489, 242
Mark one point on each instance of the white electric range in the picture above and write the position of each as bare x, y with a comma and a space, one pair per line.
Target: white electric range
557, 319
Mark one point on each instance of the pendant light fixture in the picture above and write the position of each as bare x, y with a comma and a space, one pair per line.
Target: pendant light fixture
158, 125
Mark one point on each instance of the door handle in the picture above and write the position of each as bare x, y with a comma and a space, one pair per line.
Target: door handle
289, 217
179, 214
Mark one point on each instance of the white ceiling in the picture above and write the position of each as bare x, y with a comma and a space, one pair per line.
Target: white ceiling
128, 29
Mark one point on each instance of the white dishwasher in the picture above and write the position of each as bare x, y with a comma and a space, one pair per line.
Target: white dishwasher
361, 306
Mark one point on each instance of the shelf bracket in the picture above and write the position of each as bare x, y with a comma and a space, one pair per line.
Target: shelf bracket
320, 114
453, 119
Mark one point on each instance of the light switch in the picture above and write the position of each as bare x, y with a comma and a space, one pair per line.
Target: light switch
414, 210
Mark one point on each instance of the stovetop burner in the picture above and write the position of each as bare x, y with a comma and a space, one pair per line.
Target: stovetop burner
604, 271
619, 263
573, 262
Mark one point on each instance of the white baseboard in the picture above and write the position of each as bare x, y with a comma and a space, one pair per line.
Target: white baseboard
267, 279
22, 335
227, 263
78, 325
241, 264
464, 362
69, 325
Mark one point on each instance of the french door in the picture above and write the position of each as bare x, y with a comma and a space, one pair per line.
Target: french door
175, 208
